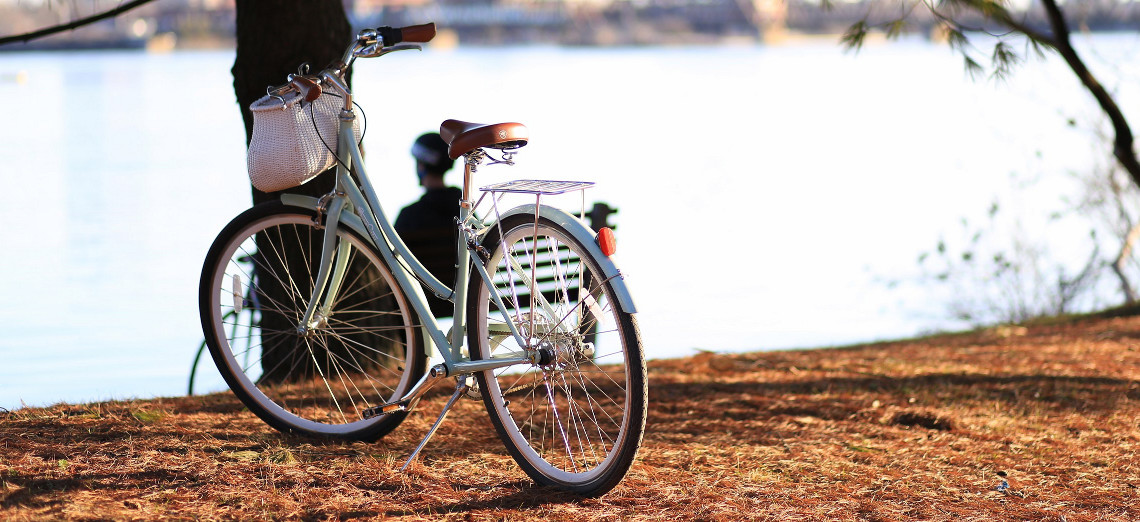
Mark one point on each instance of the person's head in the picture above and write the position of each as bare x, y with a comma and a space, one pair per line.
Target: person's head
432, 161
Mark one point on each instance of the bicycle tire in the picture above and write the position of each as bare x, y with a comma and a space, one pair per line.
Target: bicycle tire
575, 420
366, 350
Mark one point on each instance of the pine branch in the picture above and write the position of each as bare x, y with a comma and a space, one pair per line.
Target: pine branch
1006, 18
26, 37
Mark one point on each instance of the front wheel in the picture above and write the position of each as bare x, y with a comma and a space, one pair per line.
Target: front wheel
361, 348
575, 419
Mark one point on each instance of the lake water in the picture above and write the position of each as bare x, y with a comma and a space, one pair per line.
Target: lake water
765, 193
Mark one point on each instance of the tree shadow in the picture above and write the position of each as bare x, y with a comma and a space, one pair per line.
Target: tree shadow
38, 492
749, 412
740, 404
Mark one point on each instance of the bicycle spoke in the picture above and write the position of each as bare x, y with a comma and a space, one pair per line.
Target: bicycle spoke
580, 428
347, 341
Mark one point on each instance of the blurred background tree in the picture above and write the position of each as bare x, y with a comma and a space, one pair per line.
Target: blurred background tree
1014, 278
1012, 27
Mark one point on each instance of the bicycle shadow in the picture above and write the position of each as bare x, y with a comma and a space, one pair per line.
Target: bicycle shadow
527, 495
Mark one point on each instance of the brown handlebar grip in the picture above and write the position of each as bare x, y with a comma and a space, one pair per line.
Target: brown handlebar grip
418, 33
309, 89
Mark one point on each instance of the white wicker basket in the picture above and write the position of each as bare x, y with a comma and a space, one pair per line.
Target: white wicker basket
286, 149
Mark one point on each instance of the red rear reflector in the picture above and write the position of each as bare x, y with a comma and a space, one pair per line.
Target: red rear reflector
606, 241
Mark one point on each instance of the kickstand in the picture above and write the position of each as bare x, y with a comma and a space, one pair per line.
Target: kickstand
461, 387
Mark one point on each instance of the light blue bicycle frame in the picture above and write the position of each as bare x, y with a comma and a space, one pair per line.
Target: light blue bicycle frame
363, 209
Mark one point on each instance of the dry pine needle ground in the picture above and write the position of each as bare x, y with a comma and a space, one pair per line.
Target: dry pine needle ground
1038, 423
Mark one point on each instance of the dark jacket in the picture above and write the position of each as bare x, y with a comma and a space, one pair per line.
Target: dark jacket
428, 228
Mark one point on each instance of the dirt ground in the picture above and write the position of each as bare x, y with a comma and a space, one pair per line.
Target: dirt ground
1037, 423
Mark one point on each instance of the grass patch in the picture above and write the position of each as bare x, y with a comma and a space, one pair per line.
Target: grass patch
147, 417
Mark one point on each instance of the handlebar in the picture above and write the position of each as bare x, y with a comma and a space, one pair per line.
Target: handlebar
369, 43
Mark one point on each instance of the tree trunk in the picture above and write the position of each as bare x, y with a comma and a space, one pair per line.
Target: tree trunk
273, 39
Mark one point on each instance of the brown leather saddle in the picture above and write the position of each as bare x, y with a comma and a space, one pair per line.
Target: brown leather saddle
463, 137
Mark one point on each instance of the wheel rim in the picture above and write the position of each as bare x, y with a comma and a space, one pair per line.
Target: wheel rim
568, 415
352, 357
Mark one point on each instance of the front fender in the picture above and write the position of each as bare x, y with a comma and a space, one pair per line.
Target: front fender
586, 237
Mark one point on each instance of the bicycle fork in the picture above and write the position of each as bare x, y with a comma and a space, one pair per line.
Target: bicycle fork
330, 244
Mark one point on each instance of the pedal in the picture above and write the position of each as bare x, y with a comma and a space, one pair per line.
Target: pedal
408, 401
383, 409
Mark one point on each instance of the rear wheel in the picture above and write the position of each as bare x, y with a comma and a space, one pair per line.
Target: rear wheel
361, 349
574, 420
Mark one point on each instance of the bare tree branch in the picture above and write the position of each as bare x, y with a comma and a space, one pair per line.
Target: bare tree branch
74, 24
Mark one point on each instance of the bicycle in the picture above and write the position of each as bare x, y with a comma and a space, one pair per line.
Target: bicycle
314, 309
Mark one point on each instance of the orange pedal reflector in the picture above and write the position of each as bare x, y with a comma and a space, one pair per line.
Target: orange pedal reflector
606, 241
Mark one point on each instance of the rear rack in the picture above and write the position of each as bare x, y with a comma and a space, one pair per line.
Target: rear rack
537, 186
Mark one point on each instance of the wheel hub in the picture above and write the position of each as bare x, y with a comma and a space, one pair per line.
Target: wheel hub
319, 322
565, 353
546, 354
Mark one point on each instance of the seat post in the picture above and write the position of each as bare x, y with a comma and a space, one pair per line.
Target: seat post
471, 162
467, 172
